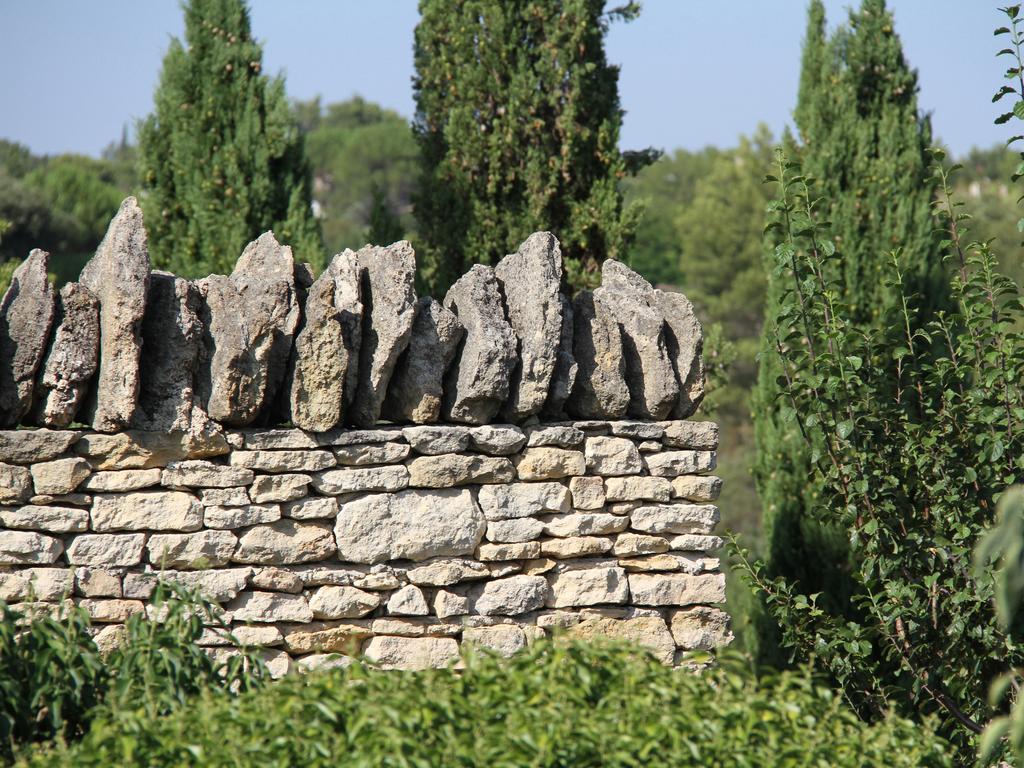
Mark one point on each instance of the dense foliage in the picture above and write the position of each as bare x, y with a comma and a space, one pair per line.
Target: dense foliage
54, 679
222, 157
517, 118
551, 705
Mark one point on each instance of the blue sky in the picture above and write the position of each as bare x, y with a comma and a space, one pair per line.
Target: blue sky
694, 72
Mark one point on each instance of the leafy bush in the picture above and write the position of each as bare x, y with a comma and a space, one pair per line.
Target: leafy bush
54, 680
551, 705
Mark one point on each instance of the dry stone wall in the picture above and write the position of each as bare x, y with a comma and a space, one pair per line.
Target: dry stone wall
318, 456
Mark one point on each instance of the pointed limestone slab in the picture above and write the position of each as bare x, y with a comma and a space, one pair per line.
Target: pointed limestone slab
326, 354
600, 390
477, 384
531, 279
249, 320
685, 339
566, 369
390, 306
72, 359
653, 389
26, 314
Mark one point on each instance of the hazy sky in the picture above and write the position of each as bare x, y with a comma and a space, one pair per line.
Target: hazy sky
694, 72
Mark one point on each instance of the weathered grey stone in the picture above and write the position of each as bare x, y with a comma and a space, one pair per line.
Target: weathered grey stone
390, 298
674, 463
147, 511
511, 596
514, 530
676, 588
118, 275
433, 440
276, 439
637, 488
638, 430
587, 492
15, 484
246, 352
701, 628
647, 631
417, 385
559, 436
584, 524
343, 602
219, 585
697, 487
45, 518
692, 542
73, 499
26, 315
649, 446
276, 580
675, 518
530, 280
224, 497
600, 390
46, 584
477, 385
106, 549
509, 501
610, 456
325, 359
365, 455
411, 653
285, 542
448, 604
270, 607
241, 517
28, 548
454, 469
445, 572
172, 337
283, 461
587, 586
503, 639
344, 436
204, 474
136, 449
72, 359
694, 435
321, 662
550, 464
110, 611
409, 525
566, 369
408, 601
359, 479
59, 476
311, 509
191, 551
28, 446
272, 488
264, 637
632, 544
497, 440
527, 550
685, 340
575, 546
653, 388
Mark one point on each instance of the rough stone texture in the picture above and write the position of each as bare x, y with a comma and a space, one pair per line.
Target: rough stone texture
612, 456
477, 384
59, 476
268, 607
575, 546
497, 440
588, 586
191, 551
46, 584
701, 628
106, 549
445, 572
51, 519
516, 530
364, 455
204, 474
26, 446
653, 388
124, 480
343, 602
28, 548
648, 631
325, 359
633, 544
675, 518
390, 307
283, 461
697, 488
312, 509
585, 524
277, 580
240, 517
506, 502
416, 392
676, 588
72, 359
408, 601
285, 541
246, 352
411, 652
566, 369
675, 463
136, 449
685, 340
337, 481
637, 489
694, 435
147, 510
435, 440
15, 484
26, 314
227, 497
447, 604
530, 280
559, 436
600, 390
458, 469
272, 488
511, 596
409, 525
118, 275
587, 492
550, 464
504, 639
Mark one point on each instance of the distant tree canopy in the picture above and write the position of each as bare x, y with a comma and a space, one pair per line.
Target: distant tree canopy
518, 118
222, 158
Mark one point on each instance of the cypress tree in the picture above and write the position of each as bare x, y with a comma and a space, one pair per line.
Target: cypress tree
863, 140
222, 159
518, 118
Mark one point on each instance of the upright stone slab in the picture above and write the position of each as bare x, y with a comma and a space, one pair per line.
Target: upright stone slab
477, 384
119, 277
600, 390
388, 291
326, 355
566, 368
72, 359
653, 388
249, 319
172, 335
531, 279
26, 314
417, 387
685, 339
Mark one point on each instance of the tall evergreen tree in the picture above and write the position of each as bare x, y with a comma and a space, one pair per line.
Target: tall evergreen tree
222, 159
518, 117
863, 139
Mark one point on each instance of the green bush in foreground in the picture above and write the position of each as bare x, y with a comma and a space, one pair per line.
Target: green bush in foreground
552, 705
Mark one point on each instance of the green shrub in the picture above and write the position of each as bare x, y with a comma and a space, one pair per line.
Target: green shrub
551, 705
